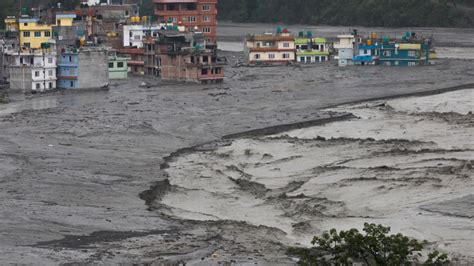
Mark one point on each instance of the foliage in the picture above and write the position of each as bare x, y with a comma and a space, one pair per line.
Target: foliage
373, 247
384, 13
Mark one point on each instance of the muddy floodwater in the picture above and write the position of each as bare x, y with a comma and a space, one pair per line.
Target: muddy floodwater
236, 172
406, 163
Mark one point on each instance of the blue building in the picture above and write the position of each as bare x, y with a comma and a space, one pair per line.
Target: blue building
84, 68
367, 54
68, 70
404, 54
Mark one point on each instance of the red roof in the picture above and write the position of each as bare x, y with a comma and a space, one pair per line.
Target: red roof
131, 51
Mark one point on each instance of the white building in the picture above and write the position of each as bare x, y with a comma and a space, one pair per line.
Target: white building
345, 49
133, 34
33, 70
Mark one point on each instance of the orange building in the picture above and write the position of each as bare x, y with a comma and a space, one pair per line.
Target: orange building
200, 14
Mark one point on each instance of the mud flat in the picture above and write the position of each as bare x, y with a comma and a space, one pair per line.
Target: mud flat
406, 163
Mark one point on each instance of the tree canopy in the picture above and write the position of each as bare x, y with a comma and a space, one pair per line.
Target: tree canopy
373, 247
384, 13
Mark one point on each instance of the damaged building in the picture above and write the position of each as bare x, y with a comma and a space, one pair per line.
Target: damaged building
183, 56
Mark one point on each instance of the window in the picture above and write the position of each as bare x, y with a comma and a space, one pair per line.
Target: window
127, 13
50, 73
25, 24
111, 65
411, 53
411, 63
37, 33
206, 8
26, 34
206, 29
271, 56
120, 64
47, 34
27, 44
37, 73
387, 53
206, 19
204, 71
257, 56
50, 60
70, 58
218, 70
50, 85
38, 86
136, 37
286, 45
286, 56
190, 19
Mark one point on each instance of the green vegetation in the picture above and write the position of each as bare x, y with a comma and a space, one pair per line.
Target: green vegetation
383, 13
374, 247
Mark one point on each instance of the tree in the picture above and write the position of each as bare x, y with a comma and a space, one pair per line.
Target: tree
373, 247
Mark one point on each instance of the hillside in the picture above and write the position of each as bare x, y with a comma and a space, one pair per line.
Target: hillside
383, 13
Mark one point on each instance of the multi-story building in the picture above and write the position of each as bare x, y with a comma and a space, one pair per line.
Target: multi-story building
33, 70
198, 15
83, 68
118, 67
33, 33
270, 48
311, 50
136, 63
184, 57
345, 49
404, 54
133, 35
367, 53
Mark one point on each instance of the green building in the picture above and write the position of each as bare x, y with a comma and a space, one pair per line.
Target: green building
118, 67
311, 50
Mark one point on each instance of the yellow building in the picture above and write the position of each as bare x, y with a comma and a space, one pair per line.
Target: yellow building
65, 19
33, 33
270, 48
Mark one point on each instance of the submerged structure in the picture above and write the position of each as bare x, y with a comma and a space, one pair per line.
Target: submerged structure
310, 49
270, 48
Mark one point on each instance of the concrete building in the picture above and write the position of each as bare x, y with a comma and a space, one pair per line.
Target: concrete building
311, 50
404, 54
33, 70
118, 67
83, 68
133, 35
367, 53
33, 33
198, 15
270, 48
345, 49
136, 64
184, 57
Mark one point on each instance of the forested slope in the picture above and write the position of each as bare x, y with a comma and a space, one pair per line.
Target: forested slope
385, 13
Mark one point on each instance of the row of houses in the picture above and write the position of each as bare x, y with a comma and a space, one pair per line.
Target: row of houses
283, 47
103, 40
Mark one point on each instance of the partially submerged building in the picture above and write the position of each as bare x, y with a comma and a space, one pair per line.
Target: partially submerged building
83, 68
33, 70
310, 49
136, 64
183, 57
118, 66
345, 49
270, 48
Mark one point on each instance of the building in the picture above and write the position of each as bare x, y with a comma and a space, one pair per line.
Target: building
136, 64
184, 57
404, 54
83, 68
118, 67
345, 49
198, 15
133, 35
367, 52
311, 50
33, 33
270, 48
33, 70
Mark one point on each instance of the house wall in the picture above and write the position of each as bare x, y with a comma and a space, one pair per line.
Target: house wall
30, 27
93, 69
21, 78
